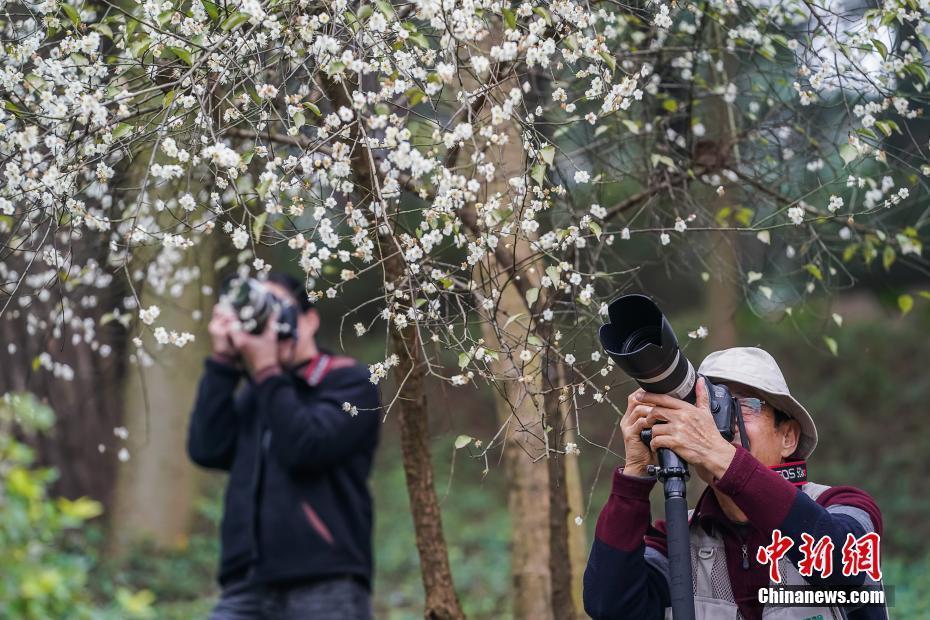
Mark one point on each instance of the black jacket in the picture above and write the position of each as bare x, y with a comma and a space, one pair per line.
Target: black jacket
297, 504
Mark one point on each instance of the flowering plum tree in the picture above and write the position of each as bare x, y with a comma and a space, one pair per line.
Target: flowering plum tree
500, 169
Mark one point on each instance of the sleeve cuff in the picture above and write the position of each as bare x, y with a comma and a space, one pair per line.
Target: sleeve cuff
222, 367
266, 373
632, 487
739, 472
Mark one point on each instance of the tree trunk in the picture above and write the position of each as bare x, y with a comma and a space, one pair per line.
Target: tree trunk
560, 564
441, 600
156, 488
528, 480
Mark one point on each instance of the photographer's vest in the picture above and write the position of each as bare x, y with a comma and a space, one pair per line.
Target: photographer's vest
713, 594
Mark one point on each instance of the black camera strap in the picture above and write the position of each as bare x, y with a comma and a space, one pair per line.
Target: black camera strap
794, 472
743, 435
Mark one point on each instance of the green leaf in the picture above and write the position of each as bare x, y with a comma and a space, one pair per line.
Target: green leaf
632, 126
544, 14
299, 119
531, 296
553, 272
82, 508
234, 21
121, 130
419, 40
258, 225
103, 29
850, 251
609, 60
212, 9
848, 153
72, 14
461, 441
880, 48
415, 95
831, 344
168, 99
312, 107
533, 340
814, 270
463, 360
548, 154
183, 54
888, 256
538, 173
905, 303
510, 18
670, 105
596, 229
385, 7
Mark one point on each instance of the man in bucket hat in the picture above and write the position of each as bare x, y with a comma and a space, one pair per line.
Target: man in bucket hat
752, 495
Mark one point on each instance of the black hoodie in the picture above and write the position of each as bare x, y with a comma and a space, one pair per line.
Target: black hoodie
297, 504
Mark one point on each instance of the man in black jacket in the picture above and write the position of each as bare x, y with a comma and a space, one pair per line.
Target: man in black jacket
298, 437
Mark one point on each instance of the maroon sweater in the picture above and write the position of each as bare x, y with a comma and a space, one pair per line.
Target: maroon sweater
620, 584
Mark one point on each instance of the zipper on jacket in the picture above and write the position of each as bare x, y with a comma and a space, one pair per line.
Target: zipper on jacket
741, 533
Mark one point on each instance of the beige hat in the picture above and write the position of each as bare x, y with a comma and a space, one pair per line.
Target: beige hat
757, 369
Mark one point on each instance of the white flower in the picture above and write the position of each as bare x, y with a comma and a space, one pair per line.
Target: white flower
680, 225
582, 176
526, 355
359, 329
699, 333
266, 91
240, 238
149, 314
122, 432
578, 520
571, 448
625, 233
835, 203
595, 356
665, 239
123, 455
753, 276
547, 315
796, 215
569, 359
187, 202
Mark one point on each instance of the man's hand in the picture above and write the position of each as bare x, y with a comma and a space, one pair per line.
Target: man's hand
221, 326
689, 431
633, 422
260, 351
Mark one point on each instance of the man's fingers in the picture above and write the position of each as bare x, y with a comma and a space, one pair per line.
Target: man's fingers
659, 414
663, 400
703, 399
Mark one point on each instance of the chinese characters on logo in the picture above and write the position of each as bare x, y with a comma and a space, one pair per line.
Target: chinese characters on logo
859, 555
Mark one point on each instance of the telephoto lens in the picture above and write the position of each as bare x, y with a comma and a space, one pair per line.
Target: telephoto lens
640, 340
254, 305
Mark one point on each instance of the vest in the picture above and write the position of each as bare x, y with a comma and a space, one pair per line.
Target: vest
713, 594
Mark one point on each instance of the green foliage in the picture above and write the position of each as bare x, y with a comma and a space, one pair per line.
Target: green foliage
43, 574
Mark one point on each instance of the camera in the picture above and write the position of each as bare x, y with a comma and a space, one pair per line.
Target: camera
641, 341
253, 304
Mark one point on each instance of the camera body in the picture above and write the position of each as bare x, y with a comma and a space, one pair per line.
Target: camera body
254, 305
641, 341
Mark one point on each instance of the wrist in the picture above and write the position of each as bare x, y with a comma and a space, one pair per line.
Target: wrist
637, 470
719, 460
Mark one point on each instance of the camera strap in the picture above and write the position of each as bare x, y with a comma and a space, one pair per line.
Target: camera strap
317, 369
794, 472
